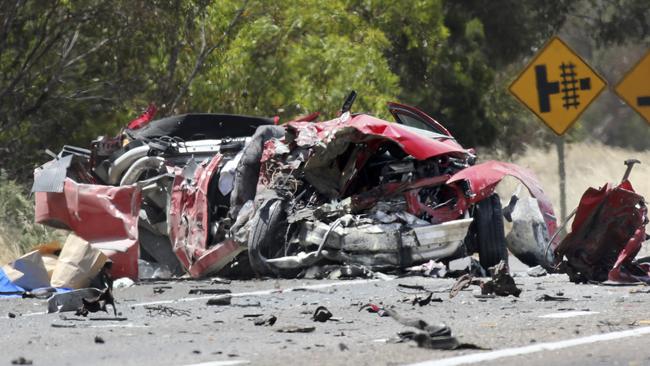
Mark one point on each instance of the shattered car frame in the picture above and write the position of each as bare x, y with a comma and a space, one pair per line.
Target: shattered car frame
197, 191
360, 190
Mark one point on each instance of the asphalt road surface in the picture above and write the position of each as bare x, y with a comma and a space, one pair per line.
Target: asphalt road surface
598, 325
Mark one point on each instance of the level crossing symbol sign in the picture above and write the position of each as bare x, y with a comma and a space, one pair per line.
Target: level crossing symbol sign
557, 85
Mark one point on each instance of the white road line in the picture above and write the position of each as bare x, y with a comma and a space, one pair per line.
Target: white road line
221, 363
550, 346
568, 314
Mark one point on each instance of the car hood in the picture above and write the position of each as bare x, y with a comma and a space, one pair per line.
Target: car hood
418, 143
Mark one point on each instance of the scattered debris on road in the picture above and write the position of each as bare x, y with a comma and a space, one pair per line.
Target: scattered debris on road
462, 283
321, 314
220, 300
208, 291
82, 301
437, 336
501, 284
547, 297
295, 329
372, 308
267, 321
164, 310
426, 300
537, 271
21, 361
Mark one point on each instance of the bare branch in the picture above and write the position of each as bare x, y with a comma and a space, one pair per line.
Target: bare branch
81, 56
205, 52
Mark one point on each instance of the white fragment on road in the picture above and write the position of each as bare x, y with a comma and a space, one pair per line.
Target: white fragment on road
33, 314
549, 346
221, 363
568, 314
118, 325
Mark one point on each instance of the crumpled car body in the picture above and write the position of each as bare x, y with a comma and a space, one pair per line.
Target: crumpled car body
198, 191
606, 235
162, 188
360, 190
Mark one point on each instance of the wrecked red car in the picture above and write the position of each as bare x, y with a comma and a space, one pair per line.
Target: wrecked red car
197, 191
606, 235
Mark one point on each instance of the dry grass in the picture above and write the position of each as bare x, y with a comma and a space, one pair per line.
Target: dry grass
587, 165
6, 253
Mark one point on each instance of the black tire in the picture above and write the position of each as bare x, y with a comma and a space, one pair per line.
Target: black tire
490, 233
267, 235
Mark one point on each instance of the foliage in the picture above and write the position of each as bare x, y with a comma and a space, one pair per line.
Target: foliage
70, 71
17, 227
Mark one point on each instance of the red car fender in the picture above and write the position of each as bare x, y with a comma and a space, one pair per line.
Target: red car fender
483, 179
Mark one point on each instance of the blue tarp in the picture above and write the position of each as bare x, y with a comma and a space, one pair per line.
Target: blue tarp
7, 288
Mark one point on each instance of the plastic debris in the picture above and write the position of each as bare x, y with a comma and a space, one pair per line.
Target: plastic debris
123, 282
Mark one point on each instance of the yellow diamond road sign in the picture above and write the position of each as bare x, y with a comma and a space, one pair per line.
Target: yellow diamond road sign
634, 89
557, 85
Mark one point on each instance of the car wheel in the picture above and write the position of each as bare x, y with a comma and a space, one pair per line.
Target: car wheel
266, 236
490, 233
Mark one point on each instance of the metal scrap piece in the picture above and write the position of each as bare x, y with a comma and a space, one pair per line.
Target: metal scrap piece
295, 329
501, 284
269, 321
158, 310
220, 300
462, 283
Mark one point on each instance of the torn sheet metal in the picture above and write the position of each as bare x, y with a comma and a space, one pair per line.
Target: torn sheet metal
606, 235
188, 221
377, 245
364, 191
416, 144
105, 216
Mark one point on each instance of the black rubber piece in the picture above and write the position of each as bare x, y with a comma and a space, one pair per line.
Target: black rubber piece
490, 232
266, 236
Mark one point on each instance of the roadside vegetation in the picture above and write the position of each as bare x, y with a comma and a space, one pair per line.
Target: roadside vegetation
18, 232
